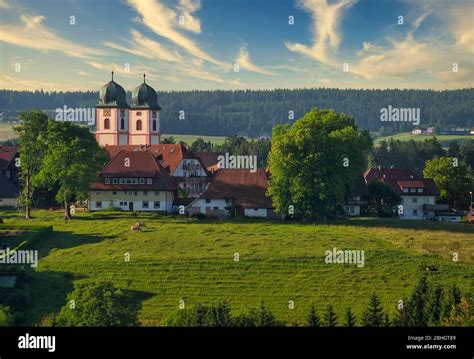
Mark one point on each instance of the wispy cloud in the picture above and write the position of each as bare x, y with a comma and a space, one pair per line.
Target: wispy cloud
186, 9
244, 62
326, 32
143, 46
32, 33
164, 22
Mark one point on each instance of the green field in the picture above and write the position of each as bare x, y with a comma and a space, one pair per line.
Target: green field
189, 139
407, 136
6, 133
176, 258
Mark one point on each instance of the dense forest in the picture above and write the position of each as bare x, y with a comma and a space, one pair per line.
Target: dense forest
254, 112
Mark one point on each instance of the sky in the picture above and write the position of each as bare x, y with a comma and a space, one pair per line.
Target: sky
72, 45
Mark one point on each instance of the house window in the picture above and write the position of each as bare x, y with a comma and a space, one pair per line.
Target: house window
114, 193
115, 181
97, 193
149, 181
135, 180
122, 124
98, 204
420, 190
145, 193
157, 193
139, 125
142, 181
156, 204
145, 204
154, 125
128, 180
106, 124
405, 190
216, 208
122, 180
208, 200
107, 181
414, 200
412, 190
415, 212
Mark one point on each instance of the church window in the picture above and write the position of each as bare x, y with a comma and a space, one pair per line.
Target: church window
122, 124
154, 125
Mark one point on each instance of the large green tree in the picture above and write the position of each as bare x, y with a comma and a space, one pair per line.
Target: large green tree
31, 134
98, 304
314, 164
73, 159
453, 181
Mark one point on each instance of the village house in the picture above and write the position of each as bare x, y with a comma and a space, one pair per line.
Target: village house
418, 195
236, 192
358, 199
133, 181
9, 190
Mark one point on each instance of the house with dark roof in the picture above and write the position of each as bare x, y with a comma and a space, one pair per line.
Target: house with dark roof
235, 191
418, 194
9, 189
358, 198
133, 181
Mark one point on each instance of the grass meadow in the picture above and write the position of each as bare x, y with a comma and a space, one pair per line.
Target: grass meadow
178, 258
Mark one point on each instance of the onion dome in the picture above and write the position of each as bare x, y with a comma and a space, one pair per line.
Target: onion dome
112, 94
145, 96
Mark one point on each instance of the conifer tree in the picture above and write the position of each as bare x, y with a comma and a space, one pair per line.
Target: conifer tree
313, 319
350, 318
373, 316
330, 317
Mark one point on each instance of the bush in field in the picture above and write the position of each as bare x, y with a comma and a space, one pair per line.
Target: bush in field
98, 304
6, 316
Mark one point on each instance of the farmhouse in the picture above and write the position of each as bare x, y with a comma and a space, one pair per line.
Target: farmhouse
9, 190
235, 192
418, 194
133, 180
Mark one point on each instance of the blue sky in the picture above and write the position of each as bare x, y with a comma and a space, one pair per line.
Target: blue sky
190, 44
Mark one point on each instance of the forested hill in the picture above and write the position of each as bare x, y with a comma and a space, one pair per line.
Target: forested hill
255, 112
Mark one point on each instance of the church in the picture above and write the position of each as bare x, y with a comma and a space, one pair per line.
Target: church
118, 123
146, 175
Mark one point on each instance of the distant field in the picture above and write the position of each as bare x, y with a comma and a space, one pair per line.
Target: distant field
6, 132
189, 139
178, 258
407, 136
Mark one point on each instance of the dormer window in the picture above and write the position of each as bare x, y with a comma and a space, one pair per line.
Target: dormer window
115, 180
142, 181
405, 190
420, 190
122, 180
107, 181
413, 190
149, 181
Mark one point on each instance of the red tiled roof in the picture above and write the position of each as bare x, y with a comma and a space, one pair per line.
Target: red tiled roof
428, 185
411, 184
142, 164
247, 188
7, 154
171, 154
378, 173
209, 159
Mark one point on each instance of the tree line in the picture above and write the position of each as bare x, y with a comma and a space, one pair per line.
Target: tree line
100, 303
256, 112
